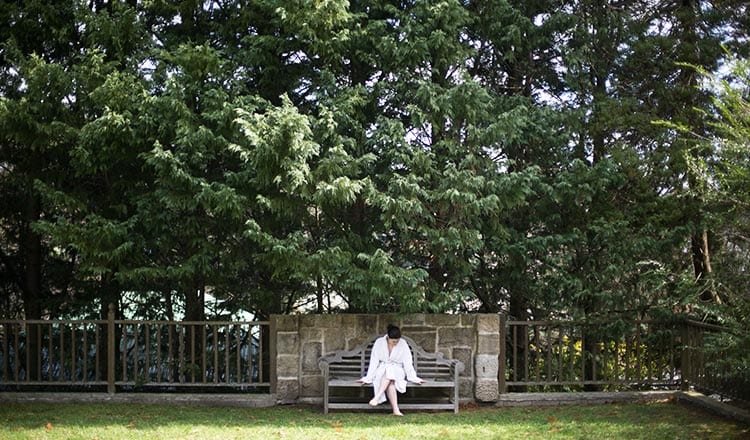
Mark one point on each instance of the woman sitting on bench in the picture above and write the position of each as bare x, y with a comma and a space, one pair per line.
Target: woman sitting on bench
391, 365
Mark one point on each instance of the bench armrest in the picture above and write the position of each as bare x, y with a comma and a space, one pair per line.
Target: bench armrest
457, 366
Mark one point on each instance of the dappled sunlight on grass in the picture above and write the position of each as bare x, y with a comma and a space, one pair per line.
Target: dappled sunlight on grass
657, 421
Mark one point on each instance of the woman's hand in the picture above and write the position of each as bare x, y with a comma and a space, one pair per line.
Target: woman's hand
418, 381
362, 380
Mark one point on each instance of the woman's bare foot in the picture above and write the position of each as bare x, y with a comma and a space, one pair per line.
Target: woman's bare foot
374, 401
397, 413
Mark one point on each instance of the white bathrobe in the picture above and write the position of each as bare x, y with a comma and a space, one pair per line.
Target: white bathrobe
398, 366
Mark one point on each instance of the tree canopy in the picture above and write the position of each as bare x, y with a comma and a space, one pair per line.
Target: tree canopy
372, 156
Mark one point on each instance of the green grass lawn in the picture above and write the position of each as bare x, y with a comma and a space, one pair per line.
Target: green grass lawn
130, 421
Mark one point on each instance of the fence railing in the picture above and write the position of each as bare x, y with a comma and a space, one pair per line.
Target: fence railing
553, 355
546, 353
123, 355
129, 355
710, 366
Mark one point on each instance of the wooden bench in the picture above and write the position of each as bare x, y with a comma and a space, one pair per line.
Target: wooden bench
341, 370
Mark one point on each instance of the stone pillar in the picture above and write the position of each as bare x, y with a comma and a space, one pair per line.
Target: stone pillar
502, 359
318, 334
287, 357
456, 339
486, 358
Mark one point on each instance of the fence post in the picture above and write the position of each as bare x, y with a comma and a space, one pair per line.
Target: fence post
111, 349
501, 357
685, 357
272, 333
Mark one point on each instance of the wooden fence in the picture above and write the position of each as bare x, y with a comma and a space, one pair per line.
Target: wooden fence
545, 354
131, 355
554, 355
709, 366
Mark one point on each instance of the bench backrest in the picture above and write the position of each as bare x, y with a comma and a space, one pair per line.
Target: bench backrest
354, 363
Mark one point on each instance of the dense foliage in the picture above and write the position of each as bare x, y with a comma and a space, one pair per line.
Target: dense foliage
378, 155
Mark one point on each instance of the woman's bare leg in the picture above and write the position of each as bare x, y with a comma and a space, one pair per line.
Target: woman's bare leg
383, 387
393, 398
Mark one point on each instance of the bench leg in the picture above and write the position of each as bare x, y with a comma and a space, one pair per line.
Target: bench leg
455, 400
326, 377
455, 393
325, 398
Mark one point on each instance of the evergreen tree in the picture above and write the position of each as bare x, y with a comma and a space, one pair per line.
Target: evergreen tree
370, 156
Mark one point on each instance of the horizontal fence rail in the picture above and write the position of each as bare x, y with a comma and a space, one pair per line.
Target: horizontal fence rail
130, 354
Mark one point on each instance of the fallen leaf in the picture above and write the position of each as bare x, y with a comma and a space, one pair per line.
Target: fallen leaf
551, 420
337, 426
48, 427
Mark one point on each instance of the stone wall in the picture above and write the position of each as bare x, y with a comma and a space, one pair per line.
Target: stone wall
301, 339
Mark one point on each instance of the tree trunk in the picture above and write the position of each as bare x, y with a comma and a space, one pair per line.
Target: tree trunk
194, 311
702, 265
195, 298
31, 248
687, 16
169, 306
32, 260
319, 293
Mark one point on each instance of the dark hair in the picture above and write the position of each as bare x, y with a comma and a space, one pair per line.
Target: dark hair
393, 332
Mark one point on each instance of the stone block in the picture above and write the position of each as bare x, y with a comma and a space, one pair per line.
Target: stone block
311, 386
320, 321
443, 320
349, 320
311, 352
367, 325
415, 319
307, 321
349, 325
468, 320
334, 340
488, 324
464, 355
286, 323
426, 340
359, 328
287, 391
455, 337
384, 320
486, 390
488, 344
287, 343
287, 366
309, 334
465, 388
408, 329
486, 366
